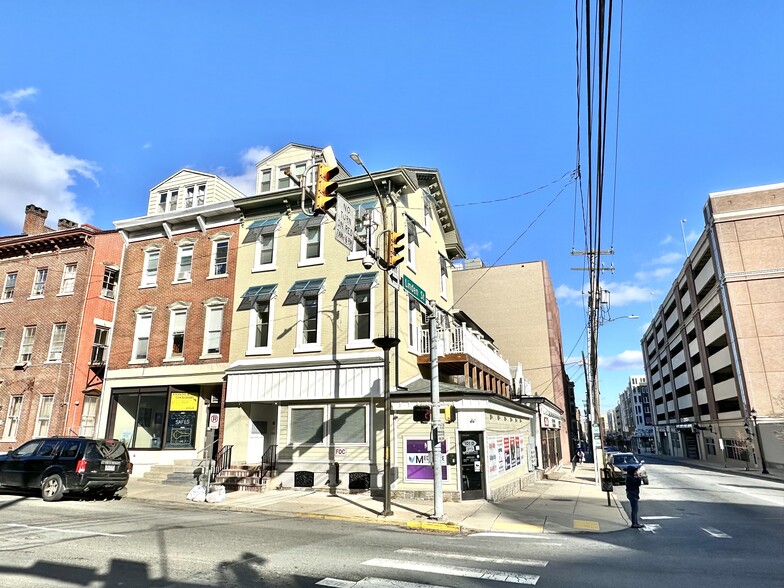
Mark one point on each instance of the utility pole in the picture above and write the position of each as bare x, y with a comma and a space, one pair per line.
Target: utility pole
594, 302
436, 425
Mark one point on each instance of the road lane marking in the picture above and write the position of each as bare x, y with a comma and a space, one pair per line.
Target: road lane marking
716, 533
747, 493
503, 561
652, 528
372, 582
336, 583
56, 530
510, 577
658, 518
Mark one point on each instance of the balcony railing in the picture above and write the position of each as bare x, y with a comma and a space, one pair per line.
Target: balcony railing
458, 338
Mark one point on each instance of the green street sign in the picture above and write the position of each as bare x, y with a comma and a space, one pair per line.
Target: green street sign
415, 291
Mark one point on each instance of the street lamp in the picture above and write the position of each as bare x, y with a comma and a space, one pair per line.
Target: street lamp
617, 318
385, 343
753, 414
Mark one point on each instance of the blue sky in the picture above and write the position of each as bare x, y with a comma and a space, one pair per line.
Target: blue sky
101, 101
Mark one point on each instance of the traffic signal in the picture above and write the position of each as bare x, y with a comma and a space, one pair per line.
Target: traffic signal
422, 414
395, 246
450, 413
326, 189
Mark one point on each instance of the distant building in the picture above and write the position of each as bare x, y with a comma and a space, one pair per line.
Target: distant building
59, 287
516, 305
713, 351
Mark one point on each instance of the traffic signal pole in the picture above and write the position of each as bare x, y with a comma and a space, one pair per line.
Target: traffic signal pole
436, 425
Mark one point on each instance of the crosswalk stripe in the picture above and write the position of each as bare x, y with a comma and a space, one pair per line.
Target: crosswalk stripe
56, 530
543, 539
372, 582
716, 533
335, 583
510, 577
463, 556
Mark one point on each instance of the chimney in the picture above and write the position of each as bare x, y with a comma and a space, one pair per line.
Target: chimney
34, 220
64, 224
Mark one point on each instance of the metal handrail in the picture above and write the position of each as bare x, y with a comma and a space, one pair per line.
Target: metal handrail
223, 459
269, 461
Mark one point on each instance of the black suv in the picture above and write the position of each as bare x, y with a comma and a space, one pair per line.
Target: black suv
56, 465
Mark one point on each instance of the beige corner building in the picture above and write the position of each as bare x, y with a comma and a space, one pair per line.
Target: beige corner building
714, 352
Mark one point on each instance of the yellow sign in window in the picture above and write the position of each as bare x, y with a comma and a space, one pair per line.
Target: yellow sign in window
184, 401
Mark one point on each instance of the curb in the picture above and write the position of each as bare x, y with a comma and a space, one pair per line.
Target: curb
434, 526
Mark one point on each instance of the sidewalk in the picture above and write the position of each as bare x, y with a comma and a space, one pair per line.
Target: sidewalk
567, 502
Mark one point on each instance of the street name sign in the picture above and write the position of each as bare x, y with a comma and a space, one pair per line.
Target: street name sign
415, 291
345, 219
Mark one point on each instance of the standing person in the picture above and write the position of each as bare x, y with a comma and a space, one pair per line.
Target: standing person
633, 482
575, 458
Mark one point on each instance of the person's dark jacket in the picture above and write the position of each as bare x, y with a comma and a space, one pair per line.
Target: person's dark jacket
632, 484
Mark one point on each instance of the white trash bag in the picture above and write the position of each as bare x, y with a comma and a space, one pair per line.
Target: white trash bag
198, 494
217, 494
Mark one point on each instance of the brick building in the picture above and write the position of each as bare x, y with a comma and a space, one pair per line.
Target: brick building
56, 308
171, 343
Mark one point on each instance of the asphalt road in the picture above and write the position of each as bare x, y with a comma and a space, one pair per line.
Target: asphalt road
702, 529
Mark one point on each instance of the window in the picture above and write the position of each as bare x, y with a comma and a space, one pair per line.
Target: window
312, 242
307, 295
201, 194
258, 299
12, 420
40, 282
195, 195
444, 275
69, 279
265, 180
297, 170
8, 287
44, 416
177, 320
261, 324
361, 316
415, 322
2, 340
213, 330
428, 213
100, 345
57, 343
89, 414
141, 337
150, 272
349, 425
309, 312
307, 426
220, 258
189, 193
26, 348
167, 201
109, 285
184, 262
412, 242
357, 289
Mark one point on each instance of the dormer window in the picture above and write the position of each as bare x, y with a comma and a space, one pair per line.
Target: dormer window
167, 201
195, 195
265, 184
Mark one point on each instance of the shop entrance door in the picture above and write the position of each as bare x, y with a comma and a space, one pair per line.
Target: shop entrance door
471, 466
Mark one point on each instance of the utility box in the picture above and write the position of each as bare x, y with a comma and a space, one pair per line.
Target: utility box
606, 479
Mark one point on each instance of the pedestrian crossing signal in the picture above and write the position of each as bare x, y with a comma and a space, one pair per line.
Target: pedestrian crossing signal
422, 414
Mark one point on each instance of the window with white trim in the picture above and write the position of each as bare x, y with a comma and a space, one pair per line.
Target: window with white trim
167, 201
261, 320
39, 284
309, 321
109, 285
360, 315
213, 329
412, 243
12, 419
201, 194
415, 322
349, 425
176, 342
220, 258
307, 426
89, 415
184, 263
2, 340
265, 180
428, 213
44, 416
297, 169
100, 346
69, 279
265, 250
150, 272
57, 342
9, 286
311, 243
141, 336
26, 347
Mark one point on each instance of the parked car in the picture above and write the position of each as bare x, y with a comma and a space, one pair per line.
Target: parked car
60, 465
620, 462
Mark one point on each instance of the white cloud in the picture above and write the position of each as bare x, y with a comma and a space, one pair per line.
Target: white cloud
622, 293
666, 240
566, 294
14, 97
626, 360
245, 182
475, 250
693, 236
656, 274
668, 258
32, 173
147, 145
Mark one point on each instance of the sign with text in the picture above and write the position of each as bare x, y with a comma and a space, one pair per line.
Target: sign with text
418, 464
345, 219
415, 291
184, 401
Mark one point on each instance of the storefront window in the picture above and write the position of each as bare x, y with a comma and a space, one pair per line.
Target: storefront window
152, 418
